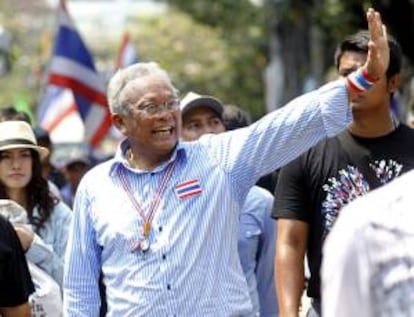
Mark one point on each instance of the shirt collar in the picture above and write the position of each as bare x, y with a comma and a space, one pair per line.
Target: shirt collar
120, 161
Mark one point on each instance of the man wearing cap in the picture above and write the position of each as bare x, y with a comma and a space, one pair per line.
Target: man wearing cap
256, 242
200, 115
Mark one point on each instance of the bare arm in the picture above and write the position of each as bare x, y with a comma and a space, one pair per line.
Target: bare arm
291, 245
22, 310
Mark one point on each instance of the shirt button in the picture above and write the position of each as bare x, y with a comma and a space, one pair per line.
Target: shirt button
164, 256
168, 286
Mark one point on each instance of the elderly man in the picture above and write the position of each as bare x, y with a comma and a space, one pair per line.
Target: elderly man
161, 217
313, 189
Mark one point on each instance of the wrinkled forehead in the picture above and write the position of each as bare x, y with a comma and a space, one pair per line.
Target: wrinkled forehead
148, 87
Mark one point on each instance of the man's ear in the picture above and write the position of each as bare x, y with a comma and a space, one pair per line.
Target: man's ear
394, 83
118, 122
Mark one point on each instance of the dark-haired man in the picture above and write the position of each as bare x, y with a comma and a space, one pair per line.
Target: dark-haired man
312, 189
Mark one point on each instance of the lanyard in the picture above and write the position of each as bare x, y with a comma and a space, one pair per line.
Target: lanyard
147, 218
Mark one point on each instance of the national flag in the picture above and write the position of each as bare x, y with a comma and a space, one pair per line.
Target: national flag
57, 104
127, 54
58, 114
188, 188
72, 67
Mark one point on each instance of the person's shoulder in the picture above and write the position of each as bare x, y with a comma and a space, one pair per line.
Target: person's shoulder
399, 188
324, 147
205, 140
259, 201
186, 146
383, 199
405, 130
101, 169
386, 209
4, 224
7, 235
194, 149
61, 213
405, 127
260, 192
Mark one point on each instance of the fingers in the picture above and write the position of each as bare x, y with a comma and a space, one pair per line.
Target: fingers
384, 32
375, 25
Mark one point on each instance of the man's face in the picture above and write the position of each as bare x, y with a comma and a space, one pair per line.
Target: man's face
377, 96
200, 120
150, 126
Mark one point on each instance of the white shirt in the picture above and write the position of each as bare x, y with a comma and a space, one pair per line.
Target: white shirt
368, 259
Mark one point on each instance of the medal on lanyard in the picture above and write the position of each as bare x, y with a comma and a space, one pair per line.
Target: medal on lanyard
144, 243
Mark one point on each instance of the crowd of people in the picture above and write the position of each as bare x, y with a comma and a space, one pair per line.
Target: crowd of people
178, 221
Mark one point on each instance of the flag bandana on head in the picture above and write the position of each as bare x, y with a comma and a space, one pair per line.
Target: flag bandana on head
72, 67
188, 188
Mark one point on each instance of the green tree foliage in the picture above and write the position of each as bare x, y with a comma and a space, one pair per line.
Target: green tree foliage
192, 53
218, 47
242, 28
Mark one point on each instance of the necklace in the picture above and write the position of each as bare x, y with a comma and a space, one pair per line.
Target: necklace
143, 243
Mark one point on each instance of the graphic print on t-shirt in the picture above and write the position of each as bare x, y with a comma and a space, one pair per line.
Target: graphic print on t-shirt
386, 170
349, 185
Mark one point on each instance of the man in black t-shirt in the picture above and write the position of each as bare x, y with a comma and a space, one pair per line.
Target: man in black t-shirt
312, 189
15, 280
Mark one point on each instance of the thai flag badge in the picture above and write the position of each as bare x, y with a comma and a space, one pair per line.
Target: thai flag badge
188, 188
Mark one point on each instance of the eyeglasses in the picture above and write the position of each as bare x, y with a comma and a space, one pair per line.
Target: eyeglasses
152, 108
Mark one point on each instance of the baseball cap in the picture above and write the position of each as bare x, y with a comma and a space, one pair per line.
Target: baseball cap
193, 100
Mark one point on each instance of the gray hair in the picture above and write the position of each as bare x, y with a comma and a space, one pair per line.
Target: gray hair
123, 76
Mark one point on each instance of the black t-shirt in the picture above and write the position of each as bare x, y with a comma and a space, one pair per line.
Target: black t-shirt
15, 281
314, 187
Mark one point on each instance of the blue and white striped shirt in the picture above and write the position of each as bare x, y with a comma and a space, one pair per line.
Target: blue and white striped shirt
192, 267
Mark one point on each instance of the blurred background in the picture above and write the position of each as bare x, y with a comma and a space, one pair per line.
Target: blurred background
257, 54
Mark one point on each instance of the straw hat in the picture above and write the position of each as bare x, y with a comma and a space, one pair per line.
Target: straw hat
19, 134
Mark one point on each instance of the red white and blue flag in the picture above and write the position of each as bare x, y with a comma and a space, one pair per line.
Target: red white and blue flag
57, 105
188, 188
72, 67
127, 54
